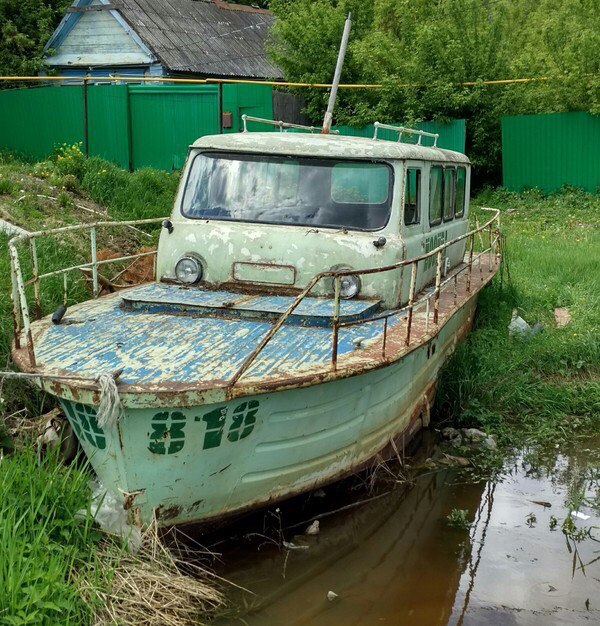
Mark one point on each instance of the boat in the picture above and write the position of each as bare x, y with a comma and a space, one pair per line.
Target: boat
308, 288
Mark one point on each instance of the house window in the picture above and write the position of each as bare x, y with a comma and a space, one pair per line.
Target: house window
436, 178
461, 185
449, 197
412, 197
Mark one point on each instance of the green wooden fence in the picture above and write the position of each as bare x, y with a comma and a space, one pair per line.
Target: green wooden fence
147, 125
551, 150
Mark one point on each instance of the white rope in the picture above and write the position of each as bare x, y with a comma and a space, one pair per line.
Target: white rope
109, 410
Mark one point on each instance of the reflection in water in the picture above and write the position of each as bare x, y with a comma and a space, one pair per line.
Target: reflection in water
394, 560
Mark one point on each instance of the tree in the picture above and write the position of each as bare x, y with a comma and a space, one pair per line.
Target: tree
25, 27
423, 52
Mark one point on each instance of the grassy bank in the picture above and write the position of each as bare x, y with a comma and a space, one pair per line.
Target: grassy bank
547, 387
45, 550
544, 388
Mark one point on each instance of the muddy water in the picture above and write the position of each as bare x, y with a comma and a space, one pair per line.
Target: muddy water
395, 559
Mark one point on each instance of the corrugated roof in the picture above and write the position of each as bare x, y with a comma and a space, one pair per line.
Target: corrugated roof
208, 37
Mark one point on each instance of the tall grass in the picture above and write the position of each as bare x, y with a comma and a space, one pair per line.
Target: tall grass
44, 548
142, 194
546, 387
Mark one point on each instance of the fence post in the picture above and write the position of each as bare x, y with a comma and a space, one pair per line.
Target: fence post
490, 246
23, 303
36, 279
129, 130
470, 270
94, 261
15, 303
86, 134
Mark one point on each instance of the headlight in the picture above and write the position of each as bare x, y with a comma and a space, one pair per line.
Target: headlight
349, 286
188, 270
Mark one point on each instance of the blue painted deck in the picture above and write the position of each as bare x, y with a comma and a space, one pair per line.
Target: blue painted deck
158, 348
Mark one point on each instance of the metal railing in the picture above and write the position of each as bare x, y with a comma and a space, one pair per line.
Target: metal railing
401, 130
21, 312
282, 125
491, 228
22, 317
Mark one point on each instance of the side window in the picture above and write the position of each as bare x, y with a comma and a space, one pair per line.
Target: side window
461, 183
412, 197
435, 195
449, 179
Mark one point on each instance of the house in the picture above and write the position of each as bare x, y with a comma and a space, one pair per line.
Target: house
175, 38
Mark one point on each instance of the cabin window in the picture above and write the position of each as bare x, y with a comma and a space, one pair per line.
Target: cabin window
329, 193
366, 183
461, 187
436, 178
412, 197
449, 178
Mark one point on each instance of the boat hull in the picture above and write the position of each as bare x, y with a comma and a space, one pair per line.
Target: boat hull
212, 461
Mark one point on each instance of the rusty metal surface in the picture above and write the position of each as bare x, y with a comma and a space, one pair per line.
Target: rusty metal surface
271, 371
175, 361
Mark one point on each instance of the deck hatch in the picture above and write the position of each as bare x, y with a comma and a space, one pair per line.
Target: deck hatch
167, 298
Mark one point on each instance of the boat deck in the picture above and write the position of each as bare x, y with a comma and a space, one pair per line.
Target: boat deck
167, 339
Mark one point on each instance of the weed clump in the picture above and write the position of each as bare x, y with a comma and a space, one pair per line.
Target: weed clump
145, 193
7, 187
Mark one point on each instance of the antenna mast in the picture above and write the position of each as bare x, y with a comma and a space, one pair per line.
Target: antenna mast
336, 79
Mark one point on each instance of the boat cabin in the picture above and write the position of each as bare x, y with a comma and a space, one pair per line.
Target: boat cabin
266, 212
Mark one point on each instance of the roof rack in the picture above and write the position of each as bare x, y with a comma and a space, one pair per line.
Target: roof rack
281, 125
410, 131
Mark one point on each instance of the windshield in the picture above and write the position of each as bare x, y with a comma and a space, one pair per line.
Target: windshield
285, 190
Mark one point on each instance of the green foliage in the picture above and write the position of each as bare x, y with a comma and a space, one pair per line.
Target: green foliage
44, 546
25, 27
7, 187
69, 159
144, 193
422, 52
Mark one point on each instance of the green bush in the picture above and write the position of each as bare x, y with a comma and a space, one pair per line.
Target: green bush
141, 194
69, 159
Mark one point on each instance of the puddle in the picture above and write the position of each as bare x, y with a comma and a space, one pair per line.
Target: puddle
395, 560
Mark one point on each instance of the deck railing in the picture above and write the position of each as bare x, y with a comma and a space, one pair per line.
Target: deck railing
21, 311
491, 228
22, 317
